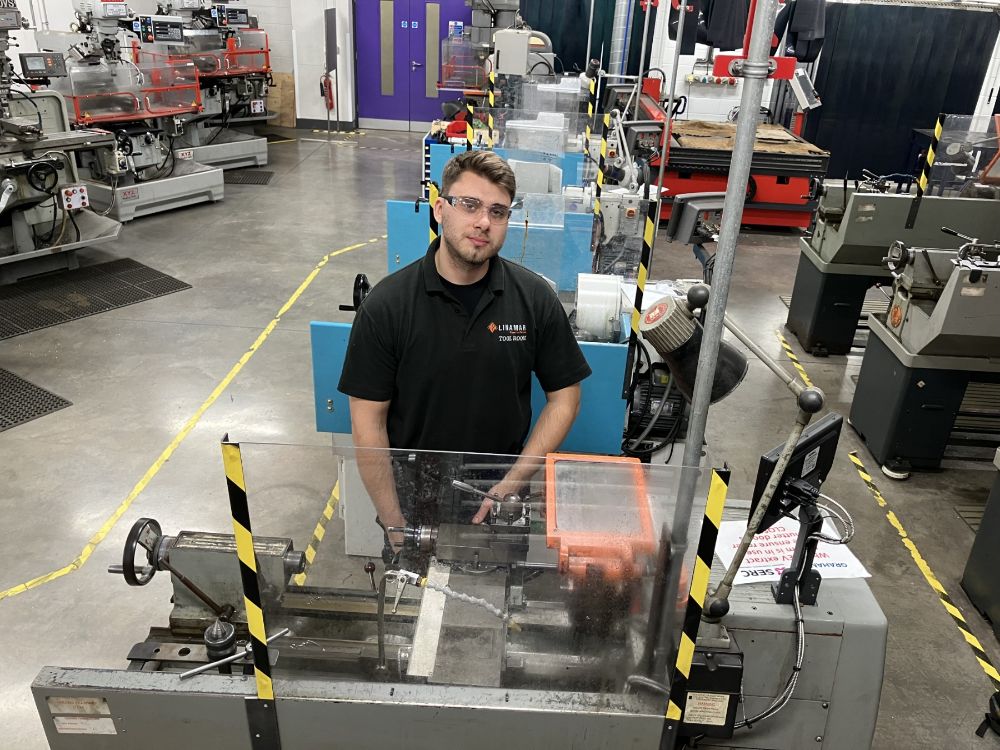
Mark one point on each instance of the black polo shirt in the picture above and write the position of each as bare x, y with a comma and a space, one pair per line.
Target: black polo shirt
460, 382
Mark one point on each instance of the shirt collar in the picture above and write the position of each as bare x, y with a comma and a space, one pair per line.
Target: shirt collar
432, 280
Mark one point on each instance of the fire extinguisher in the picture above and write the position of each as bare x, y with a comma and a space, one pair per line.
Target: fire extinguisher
326, 91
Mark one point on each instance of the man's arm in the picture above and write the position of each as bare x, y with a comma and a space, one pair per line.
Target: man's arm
371, 437
554, 423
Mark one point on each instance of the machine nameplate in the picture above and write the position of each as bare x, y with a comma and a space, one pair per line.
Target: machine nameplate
132, 194
809, 464
184, 154
973, 291
708, 709
84, 725
65, 705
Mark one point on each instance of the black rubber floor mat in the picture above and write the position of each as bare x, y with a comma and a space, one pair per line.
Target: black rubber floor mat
247, 176
69, 295
278, 138
21, 401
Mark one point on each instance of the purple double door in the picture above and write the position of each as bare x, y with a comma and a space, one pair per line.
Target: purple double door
399, 60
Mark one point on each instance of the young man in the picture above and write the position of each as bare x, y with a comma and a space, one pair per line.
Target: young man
441, 352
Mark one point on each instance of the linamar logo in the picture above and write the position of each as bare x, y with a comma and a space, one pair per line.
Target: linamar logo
492, 327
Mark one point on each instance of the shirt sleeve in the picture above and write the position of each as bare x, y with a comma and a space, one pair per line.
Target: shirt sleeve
559, 362
371, 362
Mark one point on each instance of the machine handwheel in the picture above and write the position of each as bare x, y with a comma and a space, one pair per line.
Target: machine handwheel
145, 533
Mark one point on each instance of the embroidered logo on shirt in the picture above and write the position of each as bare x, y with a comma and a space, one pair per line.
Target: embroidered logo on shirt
506, 332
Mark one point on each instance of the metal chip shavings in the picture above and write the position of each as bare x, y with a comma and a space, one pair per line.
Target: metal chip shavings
21, 401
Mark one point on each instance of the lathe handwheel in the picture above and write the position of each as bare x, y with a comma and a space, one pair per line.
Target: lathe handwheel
146, 533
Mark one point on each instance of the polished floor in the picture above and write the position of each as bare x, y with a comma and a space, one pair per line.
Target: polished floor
154, 387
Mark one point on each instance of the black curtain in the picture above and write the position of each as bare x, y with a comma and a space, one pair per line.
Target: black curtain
565, 21
887, 70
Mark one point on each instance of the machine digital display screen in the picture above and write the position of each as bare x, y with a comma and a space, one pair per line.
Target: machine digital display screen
43, 65
10, 19
227, 15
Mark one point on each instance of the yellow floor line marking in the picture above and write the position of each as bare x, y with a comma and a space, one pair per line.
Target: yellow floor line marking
925, 569
928, 574
318, 533
795, 360
167, 452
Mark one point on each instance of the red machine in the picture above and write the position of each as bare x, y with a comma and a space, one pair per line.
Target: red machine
782, 172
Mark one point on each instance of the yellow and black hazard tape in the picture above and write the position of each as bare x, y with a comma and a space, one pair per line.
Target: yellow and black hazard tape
432, 196
932, 580
318, 533
492, 99
602, 160
696, 600
425, 181
925, 171
591, 103
470, 112
794, 358
649, 232
240, 510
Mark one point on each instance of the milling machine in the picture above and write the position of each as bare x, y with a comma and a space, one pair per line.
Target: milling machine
143, 104
940, 333
45, 211
234, 67
554, 617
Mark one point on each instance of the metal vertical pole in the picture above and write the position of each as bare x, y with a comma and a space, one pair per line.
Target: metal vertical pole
670, 102
590, 34
642, 57
755, 72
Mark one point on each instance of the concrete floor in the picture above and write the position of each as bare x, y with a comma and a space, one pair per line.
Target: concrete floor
138, 376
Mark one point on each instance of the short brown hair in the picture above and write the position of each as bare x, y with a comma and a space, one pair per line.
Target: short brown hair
486, 164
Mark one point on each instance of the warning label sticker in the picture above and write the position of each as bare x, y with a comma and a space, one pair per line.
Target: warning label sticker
65, 705
709, 709
84, 725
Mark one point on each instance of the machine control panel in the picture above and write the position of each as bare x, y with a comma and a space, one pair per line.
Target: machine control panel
43, 65
163, 29
231, 16
10, 19
74, 197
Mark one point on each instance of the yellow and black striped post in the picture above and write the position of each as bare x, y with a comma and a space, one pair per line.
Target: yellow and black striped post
696, 601
591, 103
426, 179
640, 286
432, 195
925, 171
491, 93
470, 112
601, 162
261, 713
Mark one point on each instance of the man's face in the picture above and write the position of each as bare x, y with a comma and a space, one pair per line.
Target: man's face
471, 239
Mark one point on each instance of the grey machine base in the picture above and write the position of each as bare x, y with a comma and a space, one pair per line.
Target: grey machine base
94, 231
826, 301
836, 699
231, 149
190, 183
980, 579
905, 404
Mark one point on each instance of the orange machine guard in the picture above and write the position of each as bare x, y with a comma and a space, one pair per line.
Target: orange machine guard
617, 555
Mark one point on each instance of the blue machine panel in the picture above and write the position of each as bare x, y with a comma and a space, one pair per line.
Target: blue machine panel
329, 347
558, 253
571, 163
598, 428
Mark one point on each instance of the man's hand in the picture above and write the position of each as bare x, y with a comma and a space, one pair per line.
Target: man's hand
499, 492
